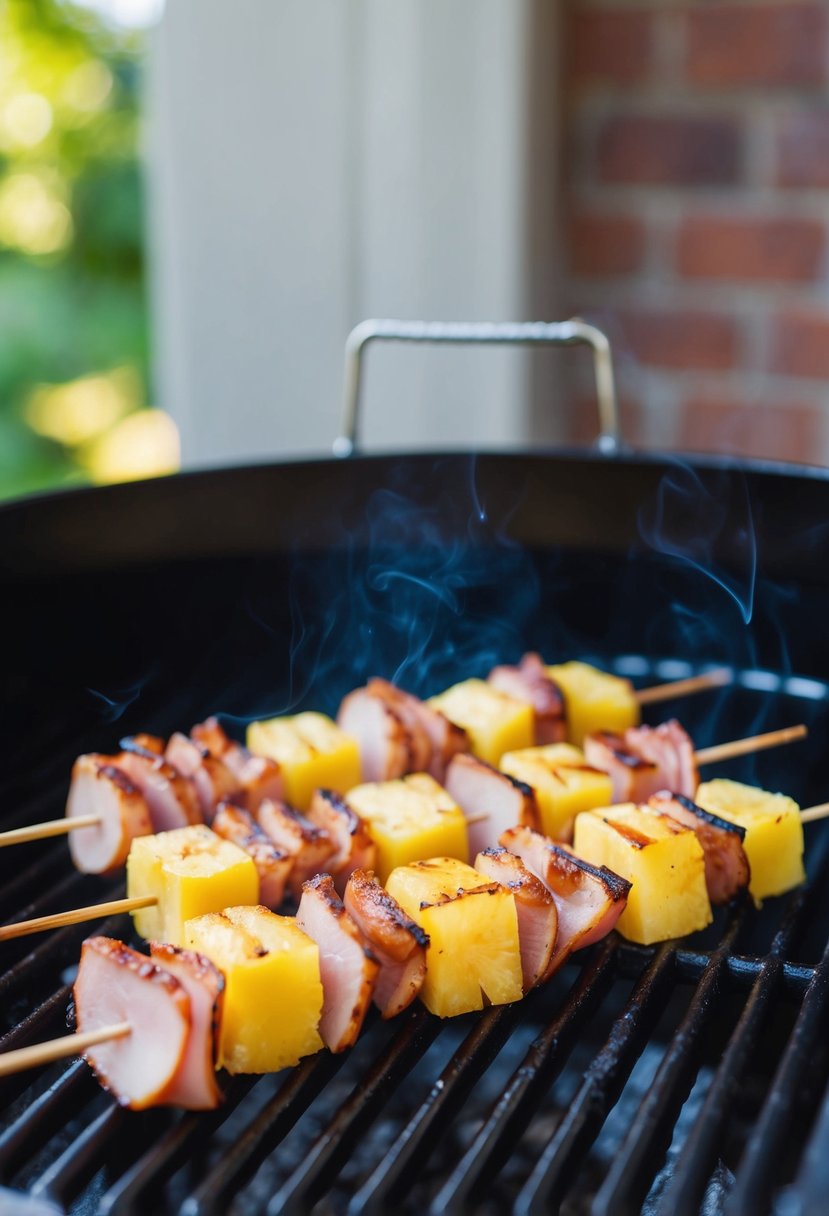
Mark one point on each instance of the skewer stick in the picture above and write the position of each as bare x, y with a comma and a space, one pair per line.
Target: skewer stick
76, 916
59, 1049
815, 812
52, 827
754, 743
715, 678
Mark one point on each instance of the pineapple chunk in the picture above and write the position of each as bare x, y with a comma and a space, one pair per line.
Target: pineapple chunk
594, 700
189, 871
408, 819
495, 722
312, 752
273, 991
661, 858
774, 833
563, 783
473, 934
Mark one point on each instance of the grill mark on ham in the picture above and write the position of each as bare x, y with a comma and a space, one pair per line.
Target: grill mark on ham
727, 869
354, 847
308, 846
529, 682
348, 968
634, 779
273, 866
397, 942
535, 906
194, 1086
99, 787
480, 789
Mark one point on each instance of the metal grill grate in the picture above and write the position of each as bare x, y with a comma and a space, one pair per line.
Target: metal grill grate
670, 1079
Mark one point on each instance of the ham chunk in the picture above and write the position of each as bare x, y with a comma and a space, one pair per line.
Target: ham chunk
259, 777
99, 787
172, 798
408, 710
589, 899
634, 779
536, 908
398, 944
447, 738
354, 847
671, 748
116, 984
308, 846
491, 800
530, 682
385, 743
727, 869
213, 780
237, 825
348, 969
194, 1086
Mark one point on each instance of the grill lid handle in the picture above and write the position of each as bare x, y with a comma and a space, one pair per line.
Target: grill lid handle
524, 333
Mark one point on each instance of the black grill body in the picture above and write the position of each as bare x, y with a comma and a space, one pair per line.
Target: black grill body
687, 1077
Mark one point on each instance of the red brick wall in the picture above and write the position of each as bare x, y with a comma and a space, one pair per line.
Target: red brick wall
696, 194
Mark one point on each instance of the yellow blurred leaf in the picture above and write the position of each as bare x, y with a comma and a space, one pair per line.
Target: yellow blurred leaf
145, 444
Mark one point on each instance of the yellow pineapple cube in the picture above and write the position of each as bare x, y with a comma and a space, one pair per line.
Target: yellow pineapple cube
774, 833
563, 783
409, 819
312, 752
495, 722
595, 700
273, 991
473, 934
189, 871
661, 858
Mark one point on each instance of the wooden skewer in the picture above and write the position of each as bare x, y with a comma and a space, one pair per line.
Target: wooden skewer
754, 743
815, 812
52, 827
59, 1049
76, 916
715, 678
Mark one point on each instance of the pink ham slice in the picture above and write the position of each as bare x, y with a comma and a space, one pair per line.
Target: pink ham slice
397, 942
354, 847
407, 708
536, 908
727, 869
634, 779
348, 968
672, 750
589, 899
500, 800
172, 799
384, 741
529, 682
213, 780
258, 776
447, 738
116, 984
99, 787
194, 1085
309, 847
273, 866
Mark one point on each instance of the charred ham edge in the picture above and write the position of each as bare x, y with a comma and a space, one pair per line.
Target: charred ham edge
117, 984
354, 847
727, 869
172, 798
634, 779
385, 743
213, 780
194, 1086
99, 787
397, 942
308, 846
530, 682
273, 866
407, 708
589, 899
535, 906
447, 738
480, 789
671, 748
348, 969
259, 776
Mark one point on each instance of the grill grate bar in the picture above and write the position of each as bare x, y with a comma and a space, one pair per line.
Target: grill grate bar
44, 1115
753, 1188
683, 1195
650, 1132
813, 1178
512, 1112
328, 1153
268, 1129
413, 1145
81, 1159
600, 1089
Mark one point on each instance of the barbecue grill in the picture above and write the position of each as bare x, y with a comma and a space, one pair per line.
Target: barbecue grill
685, 1077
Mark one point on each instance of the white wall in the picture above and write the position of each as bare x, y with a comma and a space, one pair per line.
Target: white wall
314, 162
